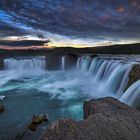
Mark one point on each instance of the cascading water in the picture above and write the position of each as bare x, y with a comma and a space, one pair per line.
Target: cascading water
132, 95
111, 74
63, 63
59, 93
31, 65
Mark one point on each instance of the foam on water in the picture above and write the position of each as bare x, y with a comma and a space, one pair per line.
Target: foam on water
2, 97
30, 89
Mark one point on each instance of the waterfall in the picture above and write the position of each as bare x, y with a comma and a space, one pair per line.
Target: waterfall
35, 64
63, 63
113, 74
132, 95
110, 76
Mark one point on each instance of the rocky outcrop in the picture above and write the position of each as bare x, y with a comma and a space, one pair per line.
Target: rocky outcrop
134, 74
1, 64
53, 61
2, 108
105, 119
70, 61
36, 120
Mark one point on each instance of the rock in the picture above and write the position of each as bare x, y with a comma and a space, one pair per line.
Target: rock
36, 120
1, 63
1, 108
134, 75
53, 61
70, 61
105, 119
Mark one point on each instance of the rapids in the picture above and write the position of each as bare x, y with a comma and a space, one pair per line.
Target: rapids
27, 88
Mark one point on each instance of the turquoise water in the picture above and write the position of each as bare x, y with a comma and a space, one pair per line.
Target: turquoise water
30, 89
58, 94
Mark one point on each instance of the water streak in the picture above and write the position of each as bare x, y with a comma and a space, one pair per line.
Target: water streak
132, 95
113, 74
25, 65
63, 63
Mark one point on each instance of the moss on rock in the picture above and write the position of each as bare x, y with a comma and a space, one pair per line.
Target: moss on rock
36, 120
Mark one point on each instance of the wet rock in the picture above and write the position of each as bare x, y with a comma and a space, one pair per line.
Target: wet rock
70, 61
105, 119
134, 75
36, 120
1, 64
53, 61
2, 108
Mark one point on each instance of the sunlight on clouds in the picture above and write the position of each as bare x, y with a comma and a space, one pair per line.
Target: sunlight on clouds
57, 40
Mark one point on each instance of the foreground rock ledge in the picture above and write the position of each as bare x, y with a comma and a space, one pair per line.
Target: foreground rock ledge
105, 119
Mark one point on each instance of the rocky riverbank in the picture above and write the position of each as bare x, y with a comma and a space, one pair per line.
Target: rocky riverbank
104, 119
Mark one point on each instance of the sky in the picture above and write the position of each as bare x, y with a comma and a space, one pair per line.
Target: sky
75, 23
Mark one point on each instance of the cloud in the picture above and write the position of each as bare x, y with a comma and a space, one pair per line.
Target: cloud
8, 30
23, 43
73, 18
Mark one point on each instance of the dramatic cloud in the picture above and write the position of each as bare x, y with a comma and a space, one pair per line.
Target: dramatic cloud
23, 43
8, 30
73, 18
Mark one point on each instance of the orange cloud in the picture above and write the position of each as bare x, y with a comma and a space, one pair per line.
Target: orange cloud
120, 9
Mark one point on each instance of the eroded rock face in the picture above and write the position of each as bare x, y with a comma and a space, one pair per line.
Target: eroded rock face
1, 64
70, 61
53, 61
105, 119
134, 75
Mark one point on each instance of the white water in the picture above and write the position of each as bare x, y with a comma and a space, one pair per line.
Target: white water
30, 89
111, 75
63, 63
132, 95
2, 97
108, 77
33, 65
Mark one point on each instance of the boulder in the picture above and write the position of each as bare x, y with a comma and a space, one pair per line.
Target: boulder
2, 108
36, 120
104, 119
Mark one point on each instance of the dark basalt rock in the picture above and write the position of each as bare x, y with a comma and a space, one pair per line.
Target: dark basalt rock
1, 64
70, 61
134, 75
2, 108
105, 119
36, 120
53, 61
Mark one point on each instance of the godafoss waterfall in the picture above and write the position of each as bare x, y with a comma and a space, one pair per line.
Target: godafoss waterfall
36, 85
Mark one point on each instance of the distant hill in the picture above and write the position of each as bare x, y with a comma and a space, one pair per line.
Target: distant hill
114, 49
